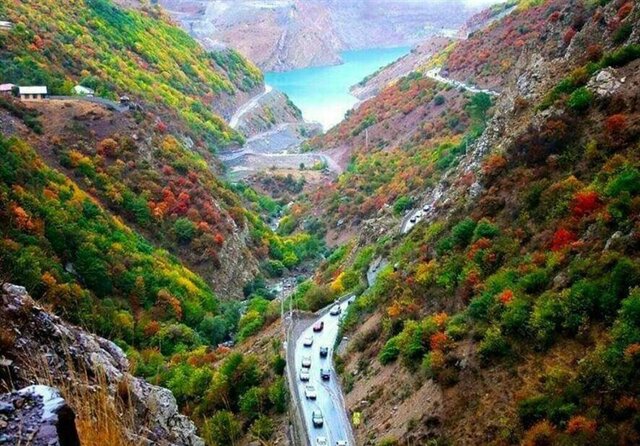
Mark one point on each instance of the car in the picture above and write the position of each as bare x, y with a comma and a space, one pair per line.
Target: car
318, 326
308, 341
306, 362
413, 219
324, 352
325, 374
304, 375
322, 441
317, 418
335, 310
426, 208
310, 392
342, 443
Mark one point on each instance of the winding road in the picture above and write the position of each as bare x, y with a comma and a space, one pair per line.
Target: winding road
435, 75
248, 106
330, 399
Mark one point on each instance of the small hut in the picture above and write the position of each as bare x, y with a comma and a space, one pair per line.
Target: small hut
33, 93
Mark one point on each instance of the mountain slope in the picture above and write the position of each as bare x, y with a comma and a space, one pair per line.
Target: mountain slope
509, 313
288, 34
118, 220
123, 52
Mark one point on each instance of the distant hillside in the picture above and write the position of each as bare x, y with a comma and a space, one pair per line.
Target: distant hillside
286, 34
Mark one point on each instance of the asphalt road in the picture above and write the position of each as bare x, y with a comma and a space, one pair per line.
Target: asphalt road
435, 75
329, 401
248, 106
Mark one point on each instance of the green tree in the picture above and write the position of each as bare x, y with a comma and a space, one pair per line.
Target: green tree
278, 395
262, 428
184, 230
251, 403
222, 429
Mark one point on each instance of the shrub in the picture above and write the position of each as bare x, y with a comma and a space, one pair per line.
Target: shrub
485, 229
439, 100
621, 56
533, 409
547, 317
493, 344
561, 239
615, 124
584, 203
568, 36
628, 180
542, 434
402, 204
390, 351
278, 395
251, 403
222, 428
535, 281
581, 425
184, 229
462, 233
580, 99
457, 327
622, 33
515, 318
262, 428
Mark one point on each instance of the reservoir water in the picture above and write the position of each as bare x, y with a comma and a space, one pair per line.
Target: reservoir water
322, 93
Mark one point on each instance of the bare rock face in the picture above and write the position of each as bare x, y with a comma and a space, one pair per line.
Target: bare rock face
605, 83
40, 337
39, 415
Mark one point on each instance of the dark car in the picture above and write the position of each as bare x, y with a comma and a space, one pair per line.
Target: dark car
324, 352
325, 374
318, 326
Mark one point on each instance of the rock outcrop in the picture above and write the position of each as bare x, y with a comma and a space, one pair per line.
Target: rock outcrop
39, 416
33, 338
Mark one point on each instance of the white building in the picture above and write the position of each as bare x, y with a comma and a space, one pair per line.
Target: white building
6, 89
83, 91
33, 93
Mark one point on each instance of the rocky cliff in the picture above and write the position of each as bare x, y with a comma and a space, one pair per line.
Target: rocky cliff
38, 347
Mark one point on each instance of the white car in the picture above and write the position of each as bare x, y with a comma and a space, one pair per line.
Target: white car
321, 441
317, 418
342, 443
308, 341
310, 392
306, 362
335, 310
304, 375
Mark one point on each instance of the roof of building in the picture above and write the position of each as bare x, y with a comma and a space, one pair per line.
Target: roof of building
33, 90
6, 87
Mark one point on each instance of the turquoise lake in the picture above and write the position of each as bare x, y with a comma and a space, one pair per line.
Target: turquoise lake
322, 93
